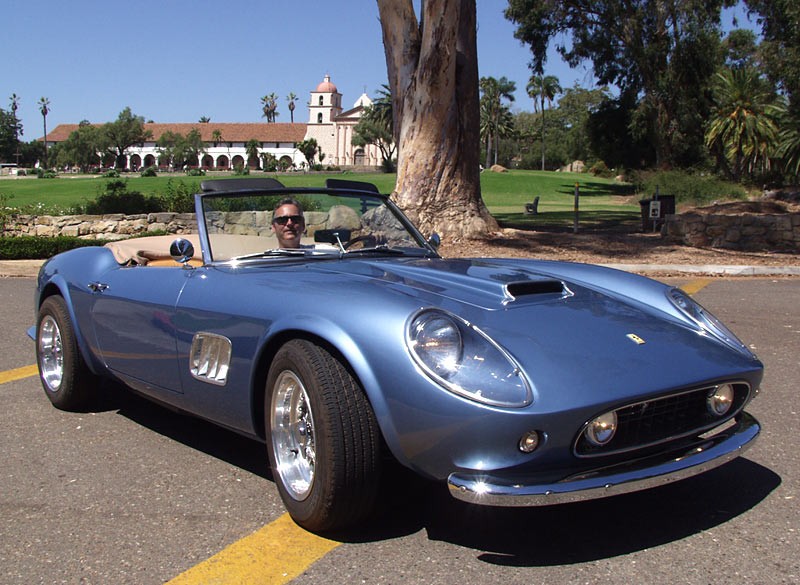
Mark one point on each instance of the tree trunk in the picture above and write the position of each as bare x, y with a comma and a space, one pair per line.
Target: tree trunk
433, 77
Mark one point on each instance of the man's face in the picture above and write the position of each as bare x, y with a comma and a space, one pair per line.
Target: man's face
288, 225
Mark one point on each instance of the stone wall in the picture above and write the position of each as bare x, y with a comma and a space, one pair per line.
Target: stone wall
733, 227
100, 227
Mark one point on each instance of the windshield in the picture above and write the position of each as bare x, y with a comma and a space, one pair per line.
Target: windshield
304, 222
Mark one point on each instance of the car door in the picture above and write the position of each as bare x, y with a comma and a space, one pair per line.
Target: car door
133, 313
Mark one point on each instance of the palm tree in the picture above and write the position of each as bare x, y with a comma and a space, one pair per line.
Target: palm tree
545, 88
43, 108
252, 149
269, 107
204, 119
291, 98
14, 103
742, 129
789, 147
494, 92
216, 138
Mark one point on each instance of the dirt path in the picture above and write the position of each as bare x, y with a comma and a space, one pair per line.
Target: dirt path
608, 247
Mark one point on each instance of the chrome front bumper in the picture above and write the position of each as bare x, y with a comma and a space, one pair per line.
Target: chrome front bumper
656, 470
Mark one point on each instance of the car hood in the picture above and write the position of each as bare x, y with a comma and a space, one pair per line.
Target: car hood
484, 283
567, 325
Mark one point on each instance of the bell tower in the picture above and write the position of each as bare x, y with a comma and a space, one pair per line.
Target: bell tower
325, 104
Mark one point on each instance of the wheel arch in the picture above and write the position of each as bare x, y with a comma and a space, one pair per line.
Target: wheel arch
59, 287
346, 351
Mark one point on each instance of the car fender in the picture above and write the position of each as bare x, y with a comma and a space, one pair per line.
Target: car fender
64, 274
343, 342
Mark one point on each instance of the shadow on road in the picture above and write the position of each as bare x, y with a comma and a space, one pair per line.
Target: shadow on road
554, 535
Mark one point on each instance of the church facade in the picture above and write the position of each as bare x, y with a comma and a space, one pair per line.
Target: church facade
225, 144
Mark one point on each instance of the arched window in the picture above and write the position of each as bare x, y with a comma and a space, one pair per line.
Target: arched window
320, 101
319, 118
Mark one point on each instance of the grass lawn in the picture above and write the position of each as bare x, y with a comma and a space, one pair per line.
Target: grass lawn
602, 202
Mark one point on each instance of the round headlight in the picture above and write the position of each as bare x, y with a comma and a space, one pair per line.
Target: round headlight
720, 400
437, 341
602, 429
464, 360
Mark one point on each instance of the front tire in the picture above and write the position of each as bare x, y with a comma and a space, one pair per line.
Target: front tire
65, 377
322, 438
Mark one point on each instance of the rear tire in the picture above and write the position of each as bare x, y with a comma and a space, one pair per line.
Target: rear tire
65, 377
322, 437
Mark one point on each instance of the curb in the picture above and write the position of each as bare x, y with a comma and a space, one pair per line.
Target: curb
710, 269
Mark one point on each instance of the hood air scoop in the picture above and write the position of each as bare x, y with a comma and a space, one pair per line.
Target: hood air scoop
527, 288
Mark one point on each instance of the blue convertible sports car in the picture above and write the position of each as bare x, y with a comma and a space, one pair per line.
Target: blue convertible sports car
320, 321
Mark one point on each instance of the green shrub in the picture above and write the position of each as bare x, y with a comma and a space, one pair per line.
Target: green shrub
696, 189
111, 174
117, 199
35, 248
196, 173
599, 169
178, 196
46, 173
149, 172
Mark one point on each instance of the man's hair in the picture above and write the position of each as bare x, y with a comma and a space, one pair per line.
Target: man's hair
288, 201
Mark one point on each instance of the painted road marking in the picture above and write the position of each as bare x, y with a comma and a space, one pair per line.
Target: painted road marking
18, 374
276, 553
273, 555
695, 286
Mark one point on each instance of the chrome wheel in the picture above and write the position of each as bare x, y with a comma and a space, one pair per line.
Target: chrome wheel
293, 443
51, 353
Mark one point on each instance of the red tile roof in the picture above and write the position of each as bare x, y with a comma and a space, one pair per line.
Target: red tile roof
231, 131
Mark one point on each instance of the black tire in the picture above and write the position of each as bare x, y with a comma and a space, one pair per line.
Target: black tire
322, 437
65, 377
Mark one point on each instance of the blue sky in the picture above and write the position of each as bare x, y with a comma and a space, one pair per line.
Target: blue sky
175, 60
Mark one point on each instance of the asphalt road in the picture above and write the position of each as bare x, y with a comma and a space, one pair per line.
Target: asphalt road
133, 493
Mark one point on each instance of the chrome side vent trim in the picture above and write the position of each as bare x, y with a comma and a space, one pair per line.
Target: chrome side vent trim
210, 358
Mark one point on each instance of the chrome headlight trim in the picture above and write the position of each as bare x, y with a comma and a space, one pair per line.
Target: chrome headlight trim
464, 360
705, 321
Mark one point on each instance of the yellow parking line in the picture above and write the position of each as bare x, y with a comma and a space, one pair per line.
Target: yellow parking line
18, 374
695, 286
275, 554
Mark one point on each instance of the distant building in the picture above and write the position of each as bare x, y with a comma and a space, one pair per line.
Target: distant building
226, 142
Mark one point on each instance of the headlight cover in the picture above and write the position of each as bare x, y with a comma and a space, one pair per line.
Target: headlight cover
707, 322
464, 360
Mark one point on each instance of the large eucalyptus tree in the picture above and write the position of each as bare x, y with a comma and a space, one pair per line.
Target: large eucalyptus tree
432, 65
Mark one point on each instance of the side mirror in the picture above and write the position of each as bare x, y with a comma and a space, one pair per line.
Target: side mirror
181, 251
435, 241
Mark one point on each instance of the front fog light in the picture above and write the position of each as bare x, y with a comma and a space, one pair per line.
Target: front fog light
602, 429
529, 442
720, 400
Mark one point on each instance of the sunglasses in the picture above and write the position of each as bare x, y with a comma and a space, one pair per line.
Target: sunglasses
284, 219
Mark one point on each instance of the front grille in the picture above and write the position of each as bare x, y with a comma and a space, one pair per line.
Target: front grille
651, 422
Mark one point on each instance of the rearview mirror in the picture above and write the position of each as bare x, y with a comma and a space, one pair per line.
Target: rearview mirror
336, 236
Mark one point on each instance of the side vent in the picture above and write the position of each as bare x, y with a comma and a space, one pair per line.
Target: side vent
210, 357
526, 288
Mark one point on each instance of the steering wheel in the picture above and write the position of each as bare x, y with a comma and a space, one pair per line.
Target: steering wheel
368, 238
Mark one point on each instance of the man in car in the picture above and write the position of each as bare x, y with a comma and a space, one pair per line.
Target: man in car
288, 223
